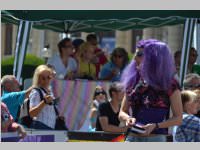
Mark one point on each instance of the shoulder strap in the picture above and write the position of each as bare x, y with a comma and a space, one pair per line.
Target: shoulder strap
57, 114
41, 97
40, 92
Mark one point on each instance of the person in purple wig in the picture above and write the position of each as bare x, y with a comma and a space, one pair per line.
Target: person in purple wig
150, 94
129, 79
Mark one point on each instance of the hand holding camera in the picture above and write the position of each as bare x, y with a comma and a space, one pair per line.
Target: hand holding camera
48, 99
130, 122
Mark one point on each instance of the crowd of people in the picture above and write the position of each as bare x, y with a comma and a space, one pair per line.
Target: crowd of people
144, 92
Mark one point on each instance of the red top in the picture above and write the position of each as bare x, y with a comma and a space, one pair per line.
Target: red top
102, 60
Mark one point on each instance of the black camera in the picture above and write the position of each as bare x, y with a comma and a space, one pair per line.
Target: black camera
55, 101
137, 129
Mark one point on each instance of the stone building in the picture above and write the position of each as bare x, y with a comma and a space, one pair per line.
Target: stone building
173, 35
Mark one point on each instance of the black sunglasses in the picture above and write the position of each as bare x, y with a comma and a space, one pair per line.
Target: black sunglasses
47, 77
67, 46
192, 86
100, 92
139, 53
118, 56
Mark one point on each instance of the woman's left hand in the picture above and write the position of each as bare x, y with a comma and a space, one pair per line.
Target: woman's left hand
149, 128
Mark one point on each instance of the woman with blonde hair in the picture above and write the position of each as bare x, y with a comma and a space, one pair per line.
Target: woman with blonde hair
86, 69
41, 110
100, 96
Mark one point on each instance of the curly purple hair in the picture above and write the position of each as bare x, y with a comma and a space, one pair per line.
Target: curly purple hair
142, 43
157, 67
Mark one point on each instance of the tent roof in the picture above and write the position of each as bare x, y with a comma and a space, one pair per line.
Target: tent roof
98, 20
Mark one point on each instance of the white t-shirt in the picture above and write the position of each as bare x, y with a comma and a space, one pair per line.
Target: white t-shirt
60, 68
47, 115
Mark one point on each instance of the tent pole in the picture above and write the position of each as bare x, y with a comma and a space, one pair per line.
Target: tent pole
198, 41
17, 47
21, 48
187, 41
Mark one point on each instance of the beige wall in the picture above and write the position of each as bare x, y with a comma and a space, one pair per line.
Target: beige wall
175, 37
39, 38
52, 38
124, 39
172, 35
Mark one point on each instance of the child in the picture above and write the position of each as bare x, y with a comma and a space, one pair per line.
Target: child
8, 124
189, 130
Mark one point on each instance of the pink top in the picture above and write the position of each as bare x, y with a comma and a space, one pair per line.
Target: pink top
7, 121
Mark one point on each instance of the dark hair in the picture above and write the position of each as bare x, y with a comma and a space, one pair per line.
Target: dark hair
77, 42
61, 44
177, 53
91, 37
122, 52
192, 48
115, 87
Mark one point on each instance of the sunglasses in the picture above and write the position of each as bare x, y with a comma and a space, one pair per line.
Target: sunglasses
139, 53
46, 78
118, 56
192, 86
100, 92
67, 46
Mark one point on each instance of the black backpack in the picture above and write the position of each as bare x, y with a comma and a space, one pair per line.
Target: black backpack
23, 115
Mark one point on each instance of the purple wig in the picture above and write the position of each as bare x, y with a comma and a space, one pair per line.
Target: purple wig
142, 43
130, 75
158, 66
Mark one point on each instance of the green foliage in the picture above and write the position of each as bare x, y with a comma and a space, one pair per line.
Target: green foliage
130, 56
31, 62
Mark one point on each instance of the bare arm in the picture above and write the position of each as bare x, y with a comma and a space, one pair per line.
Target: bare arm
28, 91
34, 111
93, 117
110, 128
176, 119
21, 131
123, 114
177, 110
